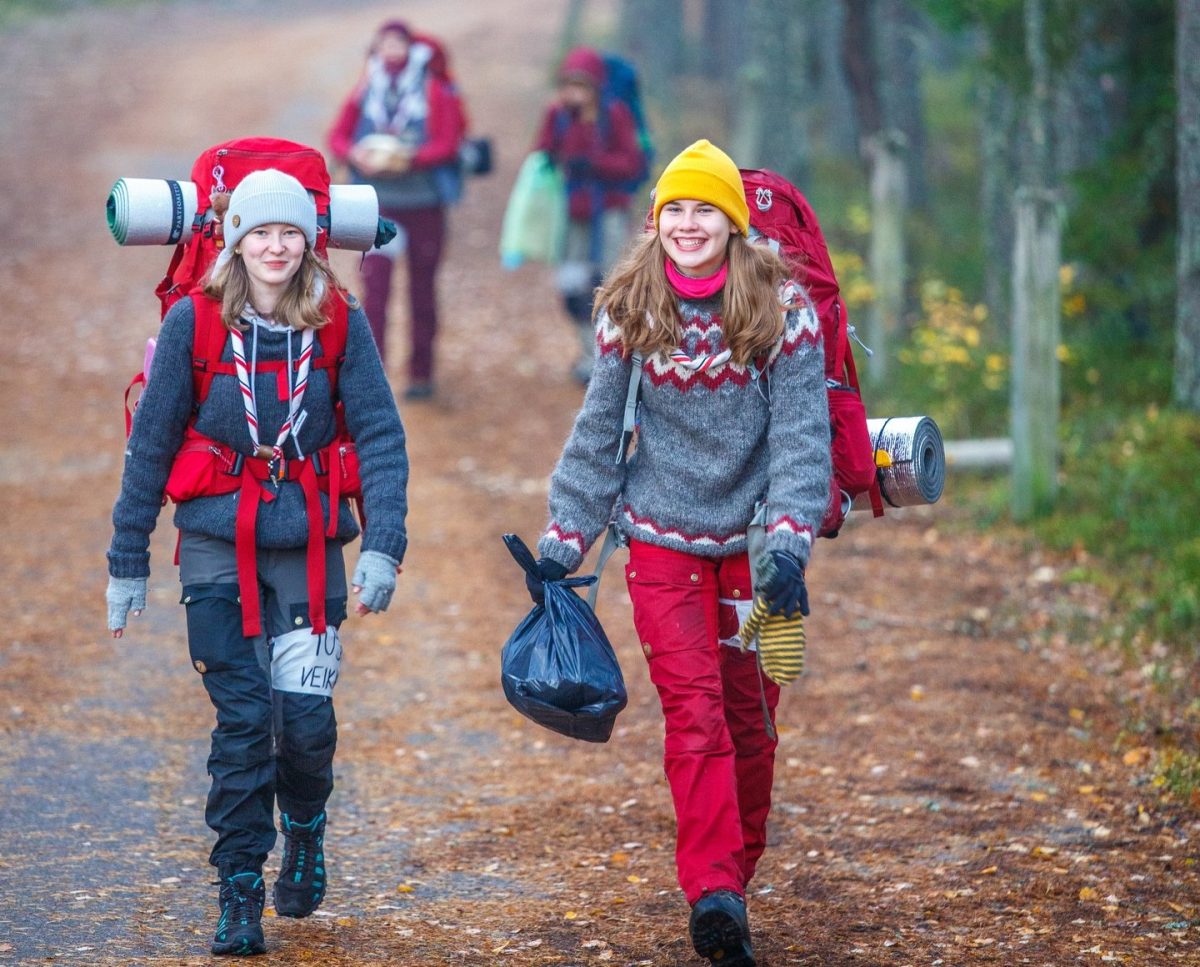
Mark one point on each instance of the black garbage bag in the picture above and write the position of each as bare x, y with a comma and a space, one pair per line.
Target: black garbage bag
557, 666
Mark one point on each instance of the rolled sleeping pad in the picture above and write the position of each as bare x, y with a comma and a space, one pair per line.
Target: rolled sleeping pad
150, 211
157, 211
353, 217
916, 461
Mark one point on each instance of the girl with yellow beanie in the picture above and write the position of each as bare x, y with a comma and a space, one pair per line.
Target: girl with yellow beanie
732, 413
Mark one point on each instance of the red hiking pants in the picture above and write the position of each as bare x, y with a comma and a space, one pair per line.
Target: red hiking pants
718, 758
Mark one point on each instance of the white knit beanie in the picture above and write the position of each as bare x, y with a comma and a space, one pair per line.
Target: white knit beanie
267, 197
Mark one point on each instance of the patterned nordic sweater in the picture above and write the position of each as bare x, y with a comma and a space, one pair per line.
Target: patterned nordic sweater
709, 447
166, 405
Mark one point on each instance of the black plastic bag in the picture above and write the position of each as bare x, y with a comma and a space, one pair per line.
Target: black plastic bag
557, 667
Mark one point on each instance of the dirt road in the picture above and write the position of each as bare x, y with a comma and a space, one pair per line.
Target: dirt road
953, 788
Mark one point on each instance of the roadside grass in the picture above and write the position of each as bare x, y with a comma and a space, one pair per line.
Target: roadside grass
14, 13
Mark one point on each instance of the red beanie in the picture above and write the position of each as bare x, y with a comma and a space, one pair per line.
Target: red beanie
394, 27
583, 62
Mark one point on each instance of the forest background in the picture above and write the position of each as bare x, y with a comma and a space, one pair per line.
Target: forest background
1093, 104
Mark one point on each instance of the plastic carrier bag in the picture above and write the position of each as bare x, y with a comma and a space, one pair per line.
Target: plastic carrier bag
535, 220
557, 667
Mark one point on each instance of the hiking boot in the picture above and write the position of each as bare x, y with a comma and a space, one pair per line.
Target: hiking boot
720, 930
239, 931
301, 884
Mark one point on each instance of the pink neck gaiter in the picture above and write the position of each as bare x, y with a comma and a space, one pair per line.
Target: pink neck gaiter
692, 288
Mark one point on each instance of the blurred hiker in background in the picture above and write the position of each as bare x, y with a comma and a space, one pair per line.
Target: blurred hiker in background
726, 355
591, 134
246, 459
400, 131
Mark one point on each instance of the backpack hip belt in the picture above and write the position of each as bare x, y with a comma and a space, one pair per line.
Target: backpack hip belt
227, 470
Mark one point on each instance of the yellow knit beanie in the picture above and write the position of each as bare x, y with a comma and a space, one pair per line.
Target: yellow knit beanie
703, 172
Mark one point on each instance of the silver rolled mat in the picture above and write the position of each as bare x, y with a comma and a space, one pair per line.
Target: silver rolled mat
917, 469
156, 211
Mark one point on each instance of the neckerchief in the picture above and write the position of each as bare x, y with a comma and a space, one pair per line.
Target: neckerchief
245, 376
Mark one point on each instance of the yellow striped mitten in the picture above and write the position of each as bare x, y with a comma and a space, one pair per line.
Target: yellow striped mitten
780, 640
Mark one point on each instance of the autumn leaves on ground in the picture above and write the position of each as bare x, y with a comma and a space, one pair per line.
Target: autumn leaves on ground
954, 782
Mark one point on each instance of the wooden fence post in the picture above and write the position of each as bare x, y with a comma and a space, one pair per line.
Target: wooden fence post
1036, 299
886, 259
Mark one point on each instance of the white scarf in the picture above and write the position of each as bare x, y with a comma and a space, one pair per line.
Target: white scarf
407, 88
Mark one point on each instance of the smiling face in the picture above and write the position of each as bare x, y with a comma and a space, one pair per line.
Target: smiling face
695, 235
272, 254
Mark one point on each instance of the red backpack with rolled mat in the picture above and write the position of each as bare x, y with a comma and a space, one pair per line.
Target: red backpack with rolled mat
203, 466
781, 217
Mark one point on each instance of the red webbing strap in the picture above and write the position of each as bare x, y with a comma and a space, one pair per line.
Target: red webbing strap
254, 474
208, 342
245, 551
316, 548
334, 469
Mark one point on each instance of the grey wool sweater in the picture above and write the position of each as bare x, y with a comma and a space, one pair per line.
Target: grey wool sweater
709, 446
167, 403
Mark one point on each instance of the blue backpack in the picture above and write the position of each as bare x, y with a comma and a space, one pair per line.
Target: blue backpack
621, 84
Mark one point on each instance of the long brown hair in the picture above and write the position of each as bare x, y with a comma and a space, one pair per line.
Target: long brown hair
301, 305
643, 306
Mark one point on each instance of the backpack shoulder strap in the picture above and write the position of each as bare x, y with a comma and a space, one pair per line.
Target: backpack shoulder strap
631, 401
333, 338
208, 342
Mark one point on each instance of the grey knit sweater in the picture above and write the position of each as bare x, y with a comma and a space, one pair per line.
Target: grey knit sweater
709, 447
162, 417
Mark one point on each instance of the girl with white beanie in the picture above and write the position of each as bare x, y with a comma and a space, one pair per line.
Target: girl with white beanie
260, 552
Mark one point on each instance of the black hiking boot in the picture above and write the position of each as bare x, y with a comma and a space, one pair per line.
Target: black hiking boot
239, 931
301, 884
720, 930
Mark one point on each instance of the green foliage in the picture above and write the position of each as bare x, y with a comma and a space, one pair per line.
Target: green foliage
1177, 774
1129, 495
953, 366
15, 12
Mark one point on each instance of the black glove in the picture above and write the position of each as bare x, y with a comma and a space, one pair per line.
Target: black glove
547, 570
785, 592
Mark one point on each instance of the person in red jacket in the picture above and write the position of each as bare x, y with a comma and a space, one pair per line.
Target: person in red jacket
399, 131
593, 140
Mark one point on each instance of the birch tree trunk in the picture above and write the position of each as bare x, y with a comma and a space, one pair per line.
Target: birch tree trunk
1187, 314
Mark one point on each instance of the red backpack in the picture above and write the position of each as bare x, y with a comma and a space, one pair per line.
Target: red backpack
203, 466
780, 214
781, 217
218, 171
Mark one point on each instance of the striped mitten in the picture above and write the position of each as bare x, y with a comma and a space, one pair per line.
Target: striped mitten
780, 640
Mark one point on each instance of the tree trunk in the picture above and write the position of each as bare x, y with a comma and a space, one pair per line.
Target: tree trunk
785, 145
1038, 170
834, 119
887, 262
858, 46
1187, 315
1035, 338
753, 100
903, 106
998, 135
